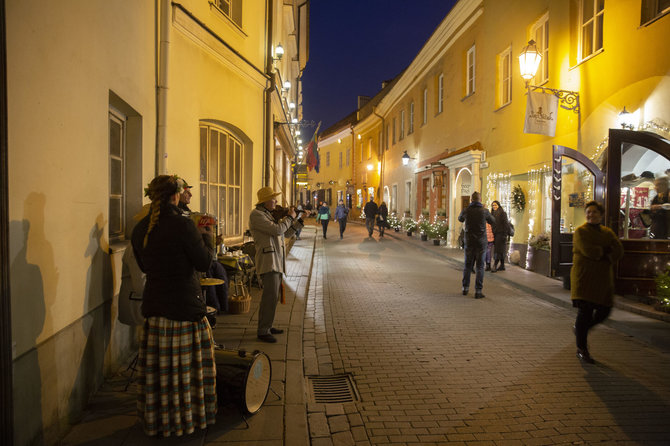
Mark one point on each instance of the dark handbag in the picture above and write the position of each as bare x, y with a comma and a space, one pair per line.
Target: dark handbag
510, 228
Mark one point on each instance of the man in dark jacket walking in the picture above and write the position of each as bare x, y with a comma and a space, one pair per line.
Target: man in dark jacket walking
475, 217
370, 210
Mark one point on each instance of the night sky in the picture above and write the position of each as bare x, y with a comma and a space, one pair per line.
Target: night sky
356, 44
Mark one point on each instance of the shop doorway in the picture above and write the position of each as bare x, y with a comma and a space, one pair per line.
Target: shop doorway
638, 164
576, 181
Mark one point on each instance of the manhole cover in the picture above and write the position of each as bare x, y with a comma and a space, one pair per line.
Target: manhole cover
332, 389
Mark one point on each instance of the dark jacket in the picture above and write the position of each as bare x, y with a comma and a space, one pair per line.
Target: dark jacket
174, 252
475, 217
660, 219
370, 209
383, 213
595, 250
501, 226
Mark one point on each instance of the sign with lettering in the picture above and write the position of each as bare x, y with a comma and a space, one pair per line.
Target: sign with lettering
541, 110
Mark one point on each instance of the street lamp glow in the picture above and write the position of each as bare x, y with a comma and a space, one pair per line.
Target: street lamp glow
299, 141
529, 60
405, 158
297, 132
287, 85
626, 119
279, 51
294, 120
291, 105
370, 167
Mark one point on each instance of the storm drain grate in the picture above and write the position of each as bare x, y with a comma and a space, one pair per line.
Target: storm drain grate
332, 389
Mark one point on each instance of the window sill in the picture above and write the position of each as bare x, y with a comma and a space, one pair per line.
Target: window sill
468, 96
589, 57
502, 106
223, 16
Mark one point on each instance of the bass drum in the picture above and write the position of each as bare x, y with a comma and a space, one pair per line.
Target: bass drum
243, 377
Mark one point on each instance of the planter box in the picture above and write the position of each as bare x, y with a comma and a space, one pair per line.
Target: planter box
409, 233
424, 237
539, 261
436, 242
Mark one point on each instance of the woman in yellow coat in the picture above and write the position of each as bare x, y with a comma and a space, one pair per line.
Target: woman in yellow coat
595, 250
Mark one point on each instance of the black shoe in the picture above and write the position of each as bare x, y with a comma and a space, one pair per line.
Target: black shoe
276, 330
494, 270
267, 338
502, 268
479, 295
465, 291
488, 267
584, 356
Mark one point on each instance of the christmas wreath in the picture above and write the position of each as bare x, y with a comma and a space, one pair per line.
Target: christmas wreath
518, 199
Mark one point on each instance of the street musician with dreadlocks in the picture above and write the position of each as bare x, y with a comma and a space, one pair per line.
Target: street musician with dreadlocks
176, 360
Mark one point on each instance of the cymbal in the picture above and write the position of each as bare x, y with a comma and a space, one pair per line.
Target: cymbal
210, 281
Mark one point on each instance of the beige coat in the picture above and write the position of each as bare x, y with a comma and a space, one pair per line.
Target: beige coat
269, 238
595, 250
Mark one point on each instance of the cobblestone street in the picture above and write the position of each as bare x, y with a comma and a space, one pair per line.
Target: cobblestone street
433, 366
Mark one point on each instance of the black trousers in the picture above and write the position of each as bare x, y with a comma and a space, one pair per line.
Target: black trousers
588, 316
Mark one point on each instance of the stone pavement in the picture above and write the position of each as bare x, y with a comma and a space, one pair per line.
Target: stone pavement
111, 417
435, 367
430, 366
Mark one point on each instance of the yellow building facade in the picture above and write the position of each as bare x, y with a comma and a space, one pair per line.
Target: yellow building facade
458, 110
102, 97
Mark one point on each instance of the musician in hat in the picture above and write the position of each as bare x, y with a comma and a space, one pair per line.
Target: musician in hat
270, 260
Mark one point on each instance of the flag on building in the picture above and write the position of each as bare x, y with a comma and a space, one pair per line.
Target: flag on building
312, 151
541, 110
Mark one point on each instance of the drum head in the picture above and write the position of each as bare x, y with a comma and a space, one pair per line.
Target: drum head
258, 383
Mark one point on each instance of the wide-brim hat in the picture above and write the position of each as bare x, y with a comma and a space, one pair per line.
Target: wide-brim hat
266, 193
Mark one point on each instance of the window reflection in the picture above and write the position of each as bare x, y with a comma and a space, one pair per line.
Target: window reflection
577, 184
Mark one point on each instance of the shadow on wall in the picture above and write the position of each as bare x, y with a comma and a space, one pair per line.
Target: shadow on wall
30, 284
96, 323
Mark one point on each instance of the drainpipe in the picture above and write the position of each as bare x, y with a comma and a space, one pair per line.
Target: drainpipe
381, 174
162, 87
353, 161
268, 130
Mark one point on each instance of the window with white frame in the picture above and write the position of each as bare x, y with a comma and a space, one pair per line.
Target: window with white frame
505, 77
540, 34
394, 198
470, 64
425, 106
653, 9
393, 134
221, 155
411, 118
117, 180
388, 127
348, 156
440, 93
327, 159
369, 148
379, 144
340, 160
231, 9
402, 125
591, 14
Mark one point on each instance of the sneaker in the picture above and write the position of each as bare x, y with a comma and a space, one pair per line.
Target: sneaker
584, 356
267, 338
479, 295
465, 291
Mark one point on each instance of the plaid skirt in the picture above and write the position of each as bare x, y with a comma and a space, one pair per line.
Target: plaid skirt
177, 376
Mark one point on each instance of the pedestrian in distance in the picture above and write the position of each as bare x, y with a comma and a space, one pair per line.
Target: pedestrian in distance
324, 217
341, 213
500, 234
489, 245
298, 210
370, 211
382, 218
176, 349
270, 260
595, 250
475, 217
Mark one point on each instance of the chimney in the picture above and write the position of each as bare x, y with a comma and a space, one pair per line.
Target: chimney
362, 100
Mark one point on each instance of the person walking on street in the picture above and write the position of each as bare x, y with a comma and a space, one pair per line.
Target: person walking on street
270, 258
595, 250
324, 217
382, 218
475, 217
299, 209
370, 211
341, 212
176, 348
500, 234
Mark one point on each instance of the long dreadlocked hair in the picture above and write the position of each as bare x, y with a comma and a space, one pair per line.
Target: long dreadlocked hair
159, 192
